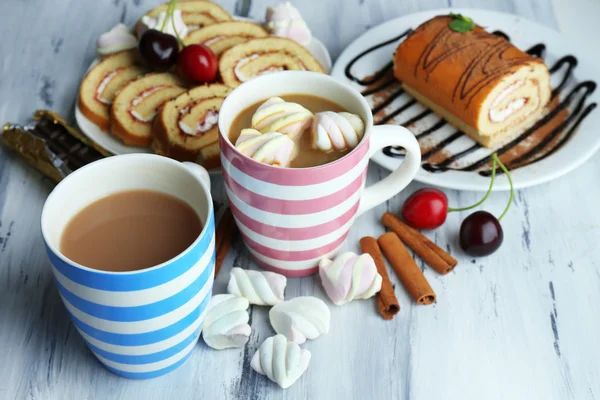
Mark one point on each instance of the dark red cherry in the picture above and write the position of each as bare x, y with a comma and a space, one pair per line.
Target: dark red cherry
158, 50
425, 209
480, 234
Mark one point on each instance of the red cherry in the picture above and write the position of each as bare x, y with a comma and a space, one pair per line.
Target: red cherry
198, 63
425, 209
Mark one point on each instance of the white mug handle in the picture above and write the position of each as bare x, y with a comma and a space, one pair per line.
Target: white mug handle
199, 172
391, 135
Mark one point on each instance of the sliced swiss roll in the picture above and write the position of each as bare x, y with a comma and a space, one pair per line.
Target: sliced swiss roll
102, 82
195, 13
476, 80
136, 105
186, 129
263, 55
223, 35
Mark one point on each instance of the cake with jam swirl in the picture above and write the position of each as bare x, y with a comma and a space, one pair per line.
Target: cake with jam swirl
264, 55
161, 84
186, 127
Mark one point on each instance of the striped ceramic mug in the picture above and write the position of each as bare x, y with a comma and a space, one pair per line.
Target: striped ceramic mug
290, 218
139, 324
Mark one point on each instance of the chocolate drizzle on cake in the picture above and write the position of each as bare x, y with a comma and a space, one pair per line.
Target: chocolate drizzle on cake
563, 116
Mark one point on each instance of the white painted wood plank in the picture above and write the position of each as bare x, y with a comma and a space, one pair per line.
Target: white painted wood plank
519, 324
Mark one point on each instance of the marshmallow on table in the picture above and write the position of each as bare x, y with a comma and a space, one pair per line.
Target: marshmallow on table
262, 288
226, 322
271, 148
300, 318
284, 20
281, 361
278, 115
117, 39
349, 277
336, 131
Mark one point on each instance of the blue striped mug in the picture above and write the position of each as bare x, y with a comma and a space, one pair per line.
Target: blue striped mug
145, 323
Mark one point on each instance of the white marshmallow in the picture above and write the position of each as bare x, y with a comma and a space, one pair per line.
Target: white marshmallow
284, 20
336, 131
226, 322
300, 318
272, 148
278, 115
262, 288
349, 277
281, 361
117, 39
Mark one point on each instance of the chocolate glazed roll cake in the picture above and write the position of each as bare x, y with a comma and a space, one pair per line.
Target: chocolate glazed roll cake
137, 103
223, 35
102, 82
186, 128
477, 81
263, 55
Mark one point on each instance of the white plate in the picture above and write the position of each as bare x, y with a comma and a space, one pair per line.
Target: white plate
112, 144
582, 144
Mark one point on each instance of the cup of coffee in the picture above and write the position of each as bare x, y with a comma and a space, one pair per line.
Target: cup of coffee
131, 244
292, 217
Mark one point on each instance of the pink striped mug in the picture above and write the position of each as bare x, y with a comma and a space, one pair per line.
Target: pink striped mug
290, 218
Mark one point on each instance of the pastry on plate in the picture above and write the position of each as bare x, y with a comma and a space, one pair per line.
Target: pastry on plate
186, 128
137, 103
102, 82
223, 35
263, 55
195, 14
477, 81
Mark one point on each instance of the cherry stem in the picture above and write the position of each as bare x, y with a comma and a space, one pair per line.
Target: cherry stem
180, 40
494, 158
170, 14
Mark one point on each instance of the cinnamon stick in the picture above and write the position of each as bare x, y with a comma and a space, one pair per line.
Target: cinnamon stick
432, 254
387, 303
223, 238
407, 270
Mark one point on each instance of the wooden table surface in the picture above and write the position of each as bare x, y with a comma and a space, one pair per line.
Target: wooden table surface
521, 324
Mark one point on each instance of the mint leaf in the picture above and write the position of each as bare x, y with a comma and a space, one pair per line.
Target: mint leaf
467, 19
461, 23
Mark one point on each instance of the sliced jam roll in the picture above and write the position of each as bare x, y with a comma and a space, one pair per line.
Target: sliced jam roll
271, 148
137, 103
186, 128
224, 35
278, 115
102, 82
336, 131
195, 14
263, 55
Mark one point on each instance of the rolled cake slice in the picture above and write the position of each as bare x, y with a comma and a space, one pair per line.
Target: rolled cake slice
260, 56
186, 129
102, 82
224, 35
195, 13
137, 103
476, 80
